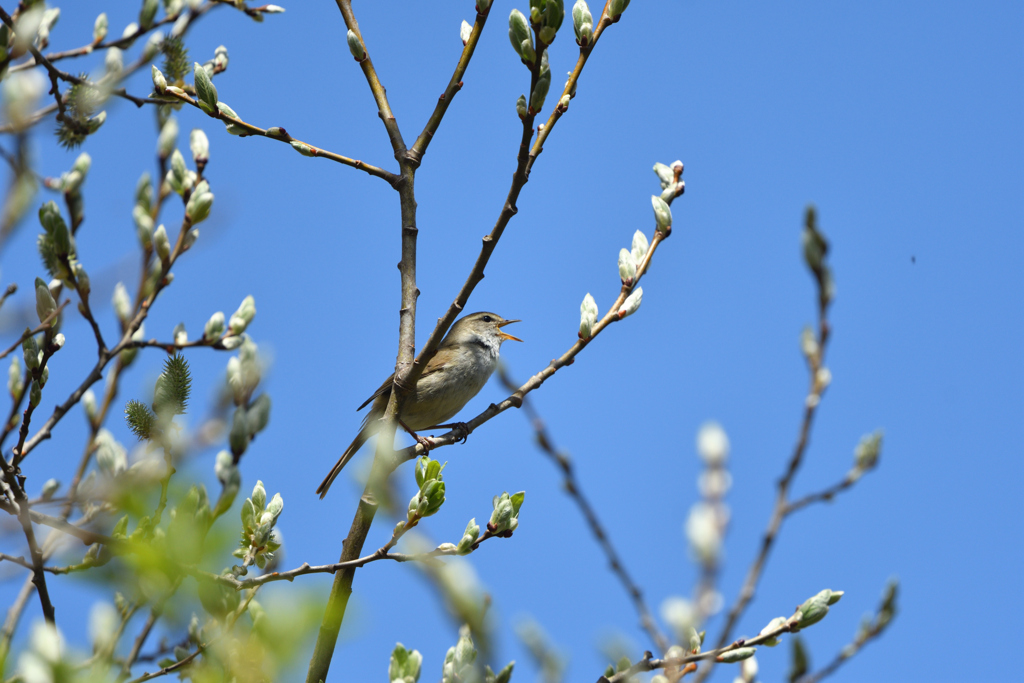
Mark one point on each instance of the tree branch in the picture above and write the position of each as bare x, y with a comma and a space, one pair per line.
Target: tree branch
572, 487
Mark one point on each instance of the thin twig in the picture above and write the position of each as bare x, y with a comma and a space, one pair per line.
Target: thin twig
568, 358
419, 148
572, 487
280, 134
42, 327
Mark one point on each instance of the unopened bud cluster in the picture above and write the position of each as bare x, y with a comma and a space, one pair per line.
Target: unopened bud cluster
430, 496
259, 541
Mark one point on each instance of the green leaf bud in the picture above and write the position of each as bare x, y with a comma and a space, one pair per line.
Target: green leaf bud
469, 537
627, 266
502, 518
737, 655
275, 506
226, 471
45, 305
540, 91
161, 243
159, 81
616, 8
865, 455
773, 625
200, 146
238, 437
147, 13
214, 326
632, 303
302, 148
30, 352
241, 318
220, 59
814, 609
582, 23
483, 5
259, 496
815, 245
662, 214
206, 91
464, 31
588, 316
404, 665
355, 46
521, 108
36, 394
258, 414
639, 247
520, 36
99, 28
50, 488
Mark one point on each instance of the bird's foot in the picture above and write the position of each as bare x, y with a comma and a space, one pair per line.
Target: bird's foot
423, 441
461, 430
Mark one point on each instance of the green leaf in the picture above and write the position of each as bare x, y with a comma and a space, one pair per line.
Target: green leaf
800, 662
206, 91
517, 502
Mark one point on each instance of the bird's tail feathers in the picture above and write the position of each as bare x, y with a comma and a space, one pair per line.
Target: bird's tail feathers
352, 449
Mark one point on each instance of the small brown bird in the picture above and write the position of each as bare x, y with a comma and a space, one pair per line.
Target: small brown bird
462, 365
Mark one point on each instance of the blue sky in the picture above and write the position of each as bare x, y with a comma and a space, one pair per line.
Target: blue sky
902, 123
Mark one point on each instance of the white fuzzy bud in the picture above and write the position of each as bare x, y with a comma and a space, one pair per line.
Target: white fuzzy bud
632, 303
588, 316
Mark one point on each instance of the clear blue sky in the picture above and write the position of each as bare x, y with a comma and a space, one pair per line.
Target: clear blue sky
901, 122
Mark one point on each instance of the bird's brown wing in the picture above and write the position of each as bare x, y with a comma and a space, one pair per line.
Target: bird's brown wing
433, 366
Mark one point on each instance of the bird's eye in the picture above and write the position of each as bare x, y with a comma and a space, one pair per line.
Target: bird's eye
487, 319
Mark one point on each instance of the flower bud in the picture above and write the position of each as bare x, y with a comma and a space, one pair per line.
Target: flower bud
200, 146
639, 247
220, 59
45, 305
199, 203
713, 444
404, 665
520, 37
122, 304
15, 385
153, 45
35, 394
588, 316
113, 61
180, 335
464, 31
616, 8
49, 488
302, 148
99, 28
808, 344
737, 655
93, 123
178, 171
627, 266
632, 303
161, 243
89, 404
582, 23
662, 214
214, 326
665, 175
773, 625
241, 318
355, 46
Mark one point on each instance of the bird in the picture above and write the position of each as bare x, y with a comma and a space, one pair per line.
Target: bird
464, 361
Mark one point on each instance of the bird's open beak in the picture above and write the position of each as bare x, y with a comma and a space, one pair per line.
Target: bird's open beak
504, 335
